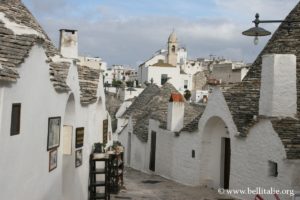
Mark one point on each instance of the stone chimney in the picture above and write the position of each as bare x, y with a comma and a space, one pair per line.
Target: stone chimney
278, 95
68, 44
175, 112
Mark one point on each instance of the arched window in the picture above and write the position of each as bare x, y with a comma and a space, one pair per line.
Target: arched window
173, 48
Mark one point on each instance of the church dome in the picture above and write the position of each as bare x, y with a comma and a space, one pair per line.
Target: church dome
172, 37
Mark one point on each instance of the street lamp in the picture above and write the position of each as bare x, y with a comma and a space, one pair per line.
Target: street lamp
258, 31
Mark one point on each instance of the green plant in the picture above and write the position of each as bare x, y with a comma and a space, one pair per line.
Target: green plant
116, 83
187, 95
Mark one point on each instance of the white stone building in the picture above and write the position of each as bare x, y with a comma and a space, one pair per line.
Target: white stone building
120, 73
166, 65
36, 84
92, 62
172, 123
246, 139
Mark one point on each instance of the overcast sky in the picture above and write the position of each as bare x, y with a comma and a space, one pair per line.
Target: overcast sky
130, 31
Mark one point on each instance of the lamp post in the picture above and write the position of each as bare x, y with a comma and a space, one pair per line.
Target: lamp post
257, 31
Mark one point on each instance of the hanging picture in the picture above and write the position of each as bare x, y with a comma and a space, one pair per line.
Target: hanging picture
52, 160
53, 132
78, 157
105, 130
79, 137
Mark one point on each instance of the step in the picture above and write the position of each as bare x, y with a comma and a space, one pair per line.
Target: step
98, 171
98, 196
97, 183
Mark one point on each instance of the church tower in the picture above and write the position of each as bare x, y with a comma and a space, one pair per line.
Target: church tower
172, 49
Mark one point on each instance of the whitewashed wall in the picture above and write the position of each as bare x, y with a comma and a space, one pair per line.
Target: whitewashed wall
250, 155
138, 149
174, 155
172, 72
24, 157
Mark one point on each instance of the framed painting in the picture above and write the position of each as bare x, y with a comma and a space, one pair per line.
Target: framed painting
52, 160
78, 157
53, 132
105, 130
79, 137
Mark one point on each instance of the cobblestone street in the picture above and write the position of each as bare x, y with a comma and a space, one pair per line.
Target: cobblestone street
141, 186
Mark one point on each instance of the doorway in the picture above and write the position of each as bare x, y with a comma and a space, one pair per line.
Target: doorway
216, 154
152, 151
225, 163
129, 149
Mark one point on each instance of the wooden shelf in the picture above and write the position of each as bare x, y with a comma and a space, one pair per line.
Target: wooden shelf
94, 184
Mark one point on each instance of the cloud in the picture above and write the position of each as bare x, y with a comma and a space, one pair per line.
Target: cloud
47, 7
128, 41
123, 35
266, 8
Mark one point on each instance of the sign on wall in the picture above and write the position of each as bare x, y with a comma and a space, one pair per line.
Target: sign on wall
105, 130
79, 137
67, 140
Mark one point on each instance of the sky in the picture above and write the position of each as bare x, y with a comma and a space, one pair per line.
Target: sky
129, 32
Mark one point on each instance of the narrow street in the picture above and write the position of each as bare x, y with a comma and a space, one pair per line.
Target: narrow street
143, 186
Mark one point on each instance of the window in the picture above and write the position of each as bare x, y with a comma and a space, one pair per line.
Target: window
193, 153
186, 84
164, 79
15, 119
173, 48
273, 169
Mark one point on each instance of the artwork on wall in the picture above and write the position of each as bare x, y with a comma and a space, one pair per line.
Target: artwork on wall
105, 130
79, 137
53, 132
78, 157
52, 160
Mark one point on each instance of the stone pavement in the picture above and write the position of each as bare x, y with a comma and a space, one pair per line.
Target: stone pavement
141, 186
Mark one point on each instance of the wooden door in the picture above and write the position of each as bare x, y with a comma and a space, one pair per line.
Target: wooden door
152, 151
227, 153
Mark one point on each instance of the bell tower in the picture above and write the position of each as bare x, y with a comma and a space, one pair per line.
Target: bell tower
172, 49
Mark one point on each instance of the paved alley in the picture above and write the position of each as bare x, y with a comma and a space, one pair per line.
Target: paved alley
141, 186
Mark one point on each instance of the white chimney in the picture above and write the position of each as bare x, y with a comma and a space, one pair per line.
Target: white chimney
68, 44
278, 94
175, 112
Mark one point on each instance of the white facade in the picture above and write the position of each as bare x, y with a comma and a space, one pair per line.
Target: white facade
171, 63
92, 62
181, 82
24, 157
198, 95
46, 85
249, 157
278, 96
199, 158
120, 73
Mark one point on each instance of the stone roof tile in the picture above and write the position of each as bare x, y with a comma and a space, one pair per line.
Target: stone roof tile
88, 82
152, 103
15, 48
